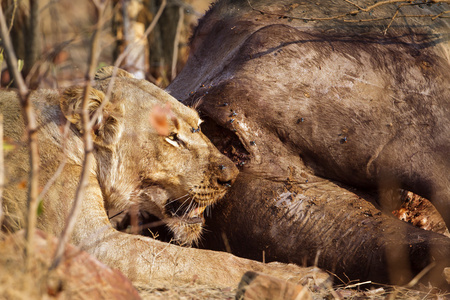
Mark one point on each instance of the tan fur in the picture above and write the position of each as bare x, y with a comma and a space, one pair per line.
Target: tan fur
134, 166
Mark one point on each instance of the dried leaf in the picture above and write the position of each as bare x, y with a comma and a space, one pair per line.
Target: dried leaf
22, 185
8, 147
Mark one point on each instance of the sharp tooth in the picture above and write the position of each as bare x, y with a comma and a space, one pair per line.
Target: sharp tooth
196, 212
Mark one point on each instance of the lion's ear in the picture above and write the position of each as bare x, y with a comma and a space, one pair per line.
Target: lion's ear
106, 72
109, 125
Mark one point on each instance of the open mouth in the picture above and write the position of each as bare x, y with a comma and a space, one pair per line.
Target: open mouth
185, 221
187, 213
182, 224
180, 219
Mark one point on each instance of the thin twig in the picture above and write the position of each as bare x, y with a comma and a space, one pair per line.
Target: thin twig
13, 15
355, 12
366, 20
354, 4
87, 139
32, 43
2, 173
11, 58
439, 15
176, 42
87, 125
358, 284
392, 20
422, 273
122, 56
149, 29
31, 128
395, 15
403, 16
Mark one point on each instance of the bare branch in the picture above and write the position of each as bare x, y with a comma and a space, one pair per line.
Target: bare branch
361, 9
87, 124
123, 55
389, 18
11, 58
87, 139
149, 29
32, 43
13, 15
30, 123
354, 4
176, 41
154, 21
441, 14
2, 173
392, 20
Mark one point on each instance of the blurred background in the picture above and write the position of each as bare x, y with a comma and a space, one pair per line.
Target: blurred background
52, 38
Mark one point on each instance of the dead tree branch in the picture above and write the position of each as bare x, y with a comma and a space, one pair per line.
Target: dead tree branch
13, 15
87, 138
31, 128
149, 29
176, 42
2, 168
123, 55
440, 15
362, 9
32, 44
393, 18
87, 124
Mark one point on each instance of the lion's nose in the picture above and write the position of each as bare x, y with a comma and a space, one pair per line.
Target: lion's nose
227, 173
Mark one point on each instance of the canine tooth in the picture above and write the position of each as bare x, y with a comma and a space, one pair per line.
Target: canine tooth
196, 212
201, 209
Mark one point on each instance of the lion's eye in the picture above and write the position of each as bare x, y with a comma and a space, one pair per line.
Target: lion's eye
173, 140
193, 130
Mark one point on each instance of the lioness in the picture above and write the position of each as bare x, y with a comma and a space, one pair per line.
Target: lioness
174, 175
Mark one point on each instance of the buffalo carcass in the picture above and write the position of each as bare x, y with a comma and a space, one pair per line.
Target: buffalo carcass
320, 107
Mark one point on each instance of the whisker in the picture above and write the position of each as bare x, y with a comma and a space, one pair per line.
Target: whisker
190, 206
182, 204
172, 201
187, 203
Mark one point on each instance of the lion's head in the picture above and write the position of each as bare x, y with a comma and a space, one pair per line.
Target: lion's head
151, 153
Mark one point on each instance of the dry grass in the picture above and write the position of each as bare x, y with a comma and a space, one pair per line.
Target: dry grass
79, 276
166, 290
66, 282
186, 291
14, 282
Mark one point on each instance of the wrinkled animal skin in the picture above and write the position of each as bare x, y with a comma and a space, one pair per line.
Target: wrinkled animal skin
297, 103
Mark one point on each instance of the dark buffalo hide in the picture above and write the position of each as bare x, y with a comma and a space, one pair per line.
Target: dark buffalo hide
323, 115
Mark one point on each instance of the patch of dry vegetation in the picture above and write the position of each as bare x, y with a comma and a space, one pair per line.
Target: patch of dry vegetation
188, 291
15, 283
79, 276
